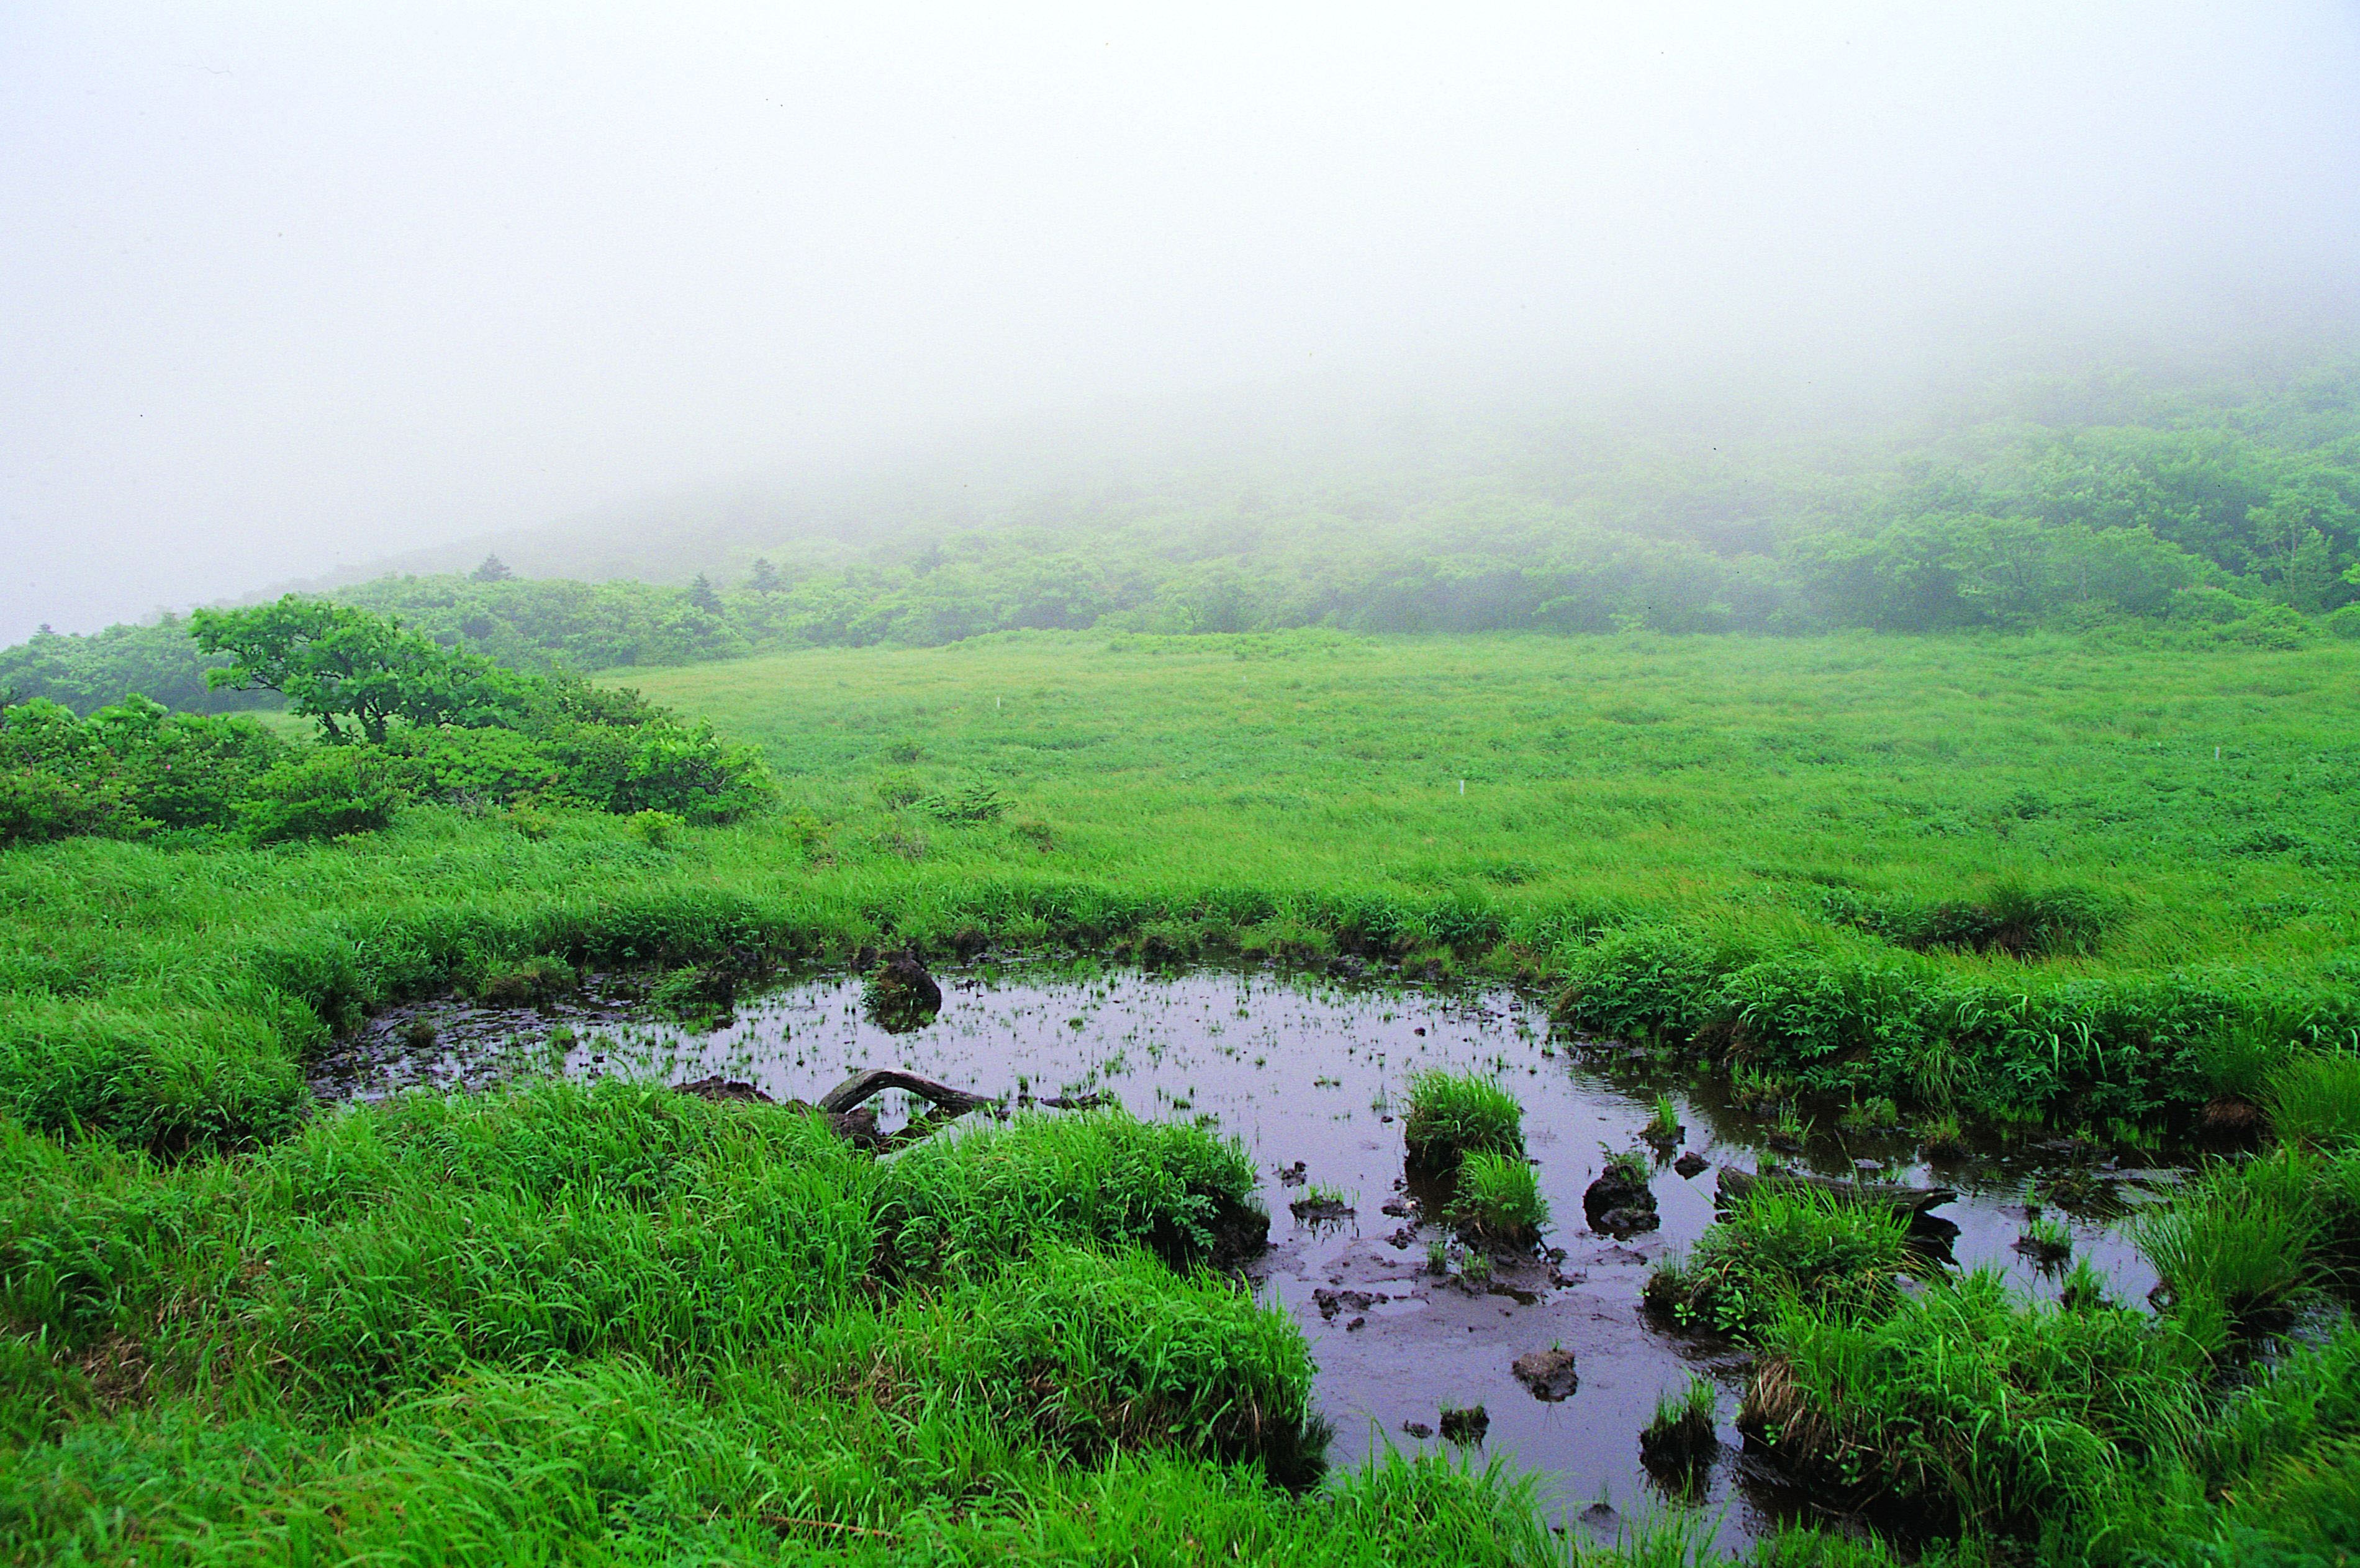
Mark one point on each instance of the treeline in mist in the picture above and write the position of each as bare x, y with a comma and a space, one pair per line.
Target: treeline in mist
2159, 514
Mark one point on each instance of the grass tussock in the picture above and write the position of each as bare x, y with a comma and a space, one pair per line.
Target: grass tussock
1498, 1201
2238, 1239
1453, 1115
1680, 1435
1786, 1248
2315, 1101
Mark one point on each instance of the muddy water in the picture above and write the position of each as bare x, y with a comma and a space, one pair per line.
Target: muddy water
1307, 1072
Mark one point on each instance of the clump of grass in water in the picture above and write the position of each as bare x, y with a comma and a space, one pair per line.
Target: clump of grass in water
1626, 1167
2045, 1241
1944, 1138
1681, 1435
1782, 1247
1664, 1126
2237, 1239
1499, 1201
1452, 1114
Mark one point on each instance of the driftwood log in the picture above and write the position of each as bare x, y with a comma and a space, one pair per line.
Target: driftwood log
871, 1081
1736, 1184
847, 1109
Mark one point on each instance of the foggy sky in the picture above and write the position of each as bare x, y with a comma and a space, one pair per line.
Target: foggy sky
287, 285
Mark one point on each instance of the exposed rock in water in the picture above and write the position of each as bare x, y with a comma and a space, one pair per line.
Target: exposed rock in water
1617, 1205
1417, 1429
1688, 1164
901, 995
724, 1089
1465, 1426
1331, 1303
1319, 1210
1547, 1373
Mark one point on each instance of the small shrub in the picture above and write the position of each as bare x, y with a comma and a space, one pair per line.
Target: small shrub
327, 792
1452, 1114
657, 830
1499, 1200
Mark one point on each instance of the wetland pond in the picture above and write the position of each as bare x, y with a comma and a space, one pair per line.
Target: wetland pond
1307, 1074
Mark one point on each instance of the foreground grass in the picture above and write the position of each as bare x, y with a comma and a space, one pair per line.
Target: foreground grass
616, 1323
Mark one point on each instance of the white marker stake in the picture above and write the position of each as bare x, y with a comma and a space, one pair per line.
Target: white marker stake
1462, 786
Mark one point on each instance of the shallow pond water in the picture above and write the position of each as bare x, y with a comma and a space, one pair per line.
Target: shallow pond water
1308, 1073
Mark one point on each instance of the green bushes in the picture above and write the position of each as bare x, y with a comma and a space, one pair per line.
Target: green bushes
327, 793
1453, 1115
405, 716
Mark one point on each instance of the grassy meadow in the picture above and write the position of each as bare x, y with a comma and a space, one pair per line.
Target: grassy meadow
2033, 882
1701, 778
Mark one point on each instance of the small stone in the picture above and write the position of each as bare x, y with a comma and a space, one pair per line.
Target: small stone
1549, 1374
1417, 1429
1688, 1164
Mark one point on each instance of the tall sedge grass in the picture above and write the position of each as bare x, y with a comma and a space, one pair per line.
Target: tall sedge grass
2315, 1101
2239, 1238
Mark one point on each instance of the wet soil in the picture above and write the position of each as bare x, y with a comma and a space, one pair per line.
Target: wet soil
1403, 1322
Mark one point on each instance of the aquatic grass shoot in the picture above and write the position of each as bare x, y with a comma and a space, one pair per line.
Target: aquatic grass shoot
1681, 1434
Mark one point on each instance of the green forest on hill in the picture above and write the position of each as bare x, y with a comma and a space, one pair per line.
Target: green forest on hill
2194, 515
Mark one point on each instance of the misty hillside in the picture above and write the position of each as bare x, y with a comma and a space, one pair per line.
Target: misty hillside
2220, 509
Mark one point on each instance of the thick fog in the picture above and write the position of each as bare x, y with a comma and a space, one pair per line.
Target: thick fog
284, 287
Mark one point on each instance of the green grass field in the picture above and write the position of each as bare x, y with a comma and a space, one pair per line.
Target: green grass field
1702, 776
2029, 881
